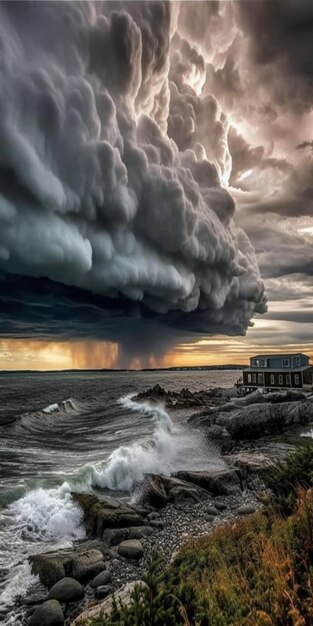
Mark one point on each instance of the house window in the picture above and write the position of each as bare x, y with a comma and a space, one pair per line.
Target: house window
262, 363
257, 363
298, 361
286, 362
272, 379
260, 378
297, 379
280, 379
254, 378
288, 379
249, 378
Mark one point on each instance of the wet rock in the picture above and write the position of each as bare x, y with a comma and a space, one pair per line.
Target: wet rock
49, 567
66, 590
102, 579
103, 591
132, 549
217, 432
259, 420
159, 490
113, 536
156, 523
103, 512
53, 566
48, 614
212, 510
83, 573
246, 509
220, 482
221, 506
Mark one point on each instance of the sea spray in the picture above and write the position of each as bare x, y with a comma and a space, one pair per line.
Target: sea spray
45, 514
127, 465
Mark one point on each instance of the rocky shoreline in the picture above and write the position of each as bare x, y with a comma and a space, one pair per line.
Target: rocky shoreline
168, 509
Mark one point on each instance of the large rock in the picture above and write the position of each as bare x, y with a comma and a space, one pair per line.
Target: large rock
131, 549
67, 590
54, 566
123, 595
159, 490
102, 579
258, 420
263, 459
102, 512
218, 483
113, 536
48, 614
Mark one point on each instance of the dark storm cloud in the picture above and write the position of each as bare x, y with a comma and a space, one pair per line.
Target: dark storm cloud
246, 157
281, 34
95, 195
305, 144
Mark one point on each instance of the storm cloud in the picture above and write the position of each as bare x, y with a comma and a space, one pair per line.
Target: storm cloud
113, 172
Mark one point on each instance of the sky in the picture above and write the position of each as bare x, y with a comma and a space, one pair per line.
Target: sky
156, 190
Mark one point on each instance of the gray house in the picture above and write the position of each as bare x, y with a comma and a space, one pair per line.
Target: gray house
279, 371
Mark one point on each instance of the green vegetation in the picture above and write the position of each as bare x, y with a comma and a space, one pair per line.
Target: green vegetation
256, 572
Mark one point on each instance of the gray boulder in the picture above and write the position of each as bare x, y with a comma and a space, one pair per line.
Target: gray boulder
103, 592
219, 483
102, 579
132, 549
246, 509
54, 566
113, 536
103, 512
48, 614
212, 510
66, 590
159, 490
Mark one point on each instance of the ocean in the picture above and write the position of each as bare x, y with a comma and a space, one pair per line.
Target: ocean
65, 431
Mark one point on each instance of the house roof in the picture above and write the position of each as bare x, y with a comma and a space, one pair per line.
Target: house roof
282, 355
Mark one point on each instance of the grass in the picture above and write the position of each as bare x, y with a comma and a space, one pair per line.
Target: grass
256, 572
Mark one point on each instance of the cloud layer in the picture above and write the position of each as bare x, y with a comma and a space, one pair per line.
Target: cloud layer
113, 166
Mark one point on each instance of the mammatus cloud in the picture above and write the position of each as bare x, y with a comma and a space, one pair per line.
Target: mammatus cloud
113, 169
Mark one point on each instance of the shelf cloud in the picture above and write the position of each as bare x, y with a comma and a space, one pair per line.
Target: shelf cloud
113, 168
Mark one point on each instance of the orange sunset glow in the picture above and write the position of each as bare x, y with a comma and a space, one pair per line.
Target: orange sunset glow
25, 354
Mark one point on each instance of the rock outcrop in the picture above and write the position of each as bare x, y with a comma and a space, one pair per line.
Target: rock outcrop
218, 483
259, 420
159, 490
53, 566
255, 415
103, 512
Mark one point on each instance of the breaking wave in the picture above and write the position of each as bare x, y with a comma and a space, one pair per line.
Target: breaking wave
127, 465
45, 514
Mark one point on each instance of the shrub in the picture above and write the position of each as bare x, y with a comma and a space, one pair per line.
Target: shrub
295, 472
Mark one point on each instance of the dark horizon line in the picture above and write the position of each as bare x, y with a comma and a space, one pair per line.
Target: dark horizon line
231, 366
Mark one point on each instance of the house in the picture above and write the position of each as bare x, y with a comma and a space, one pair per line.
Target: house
279, 371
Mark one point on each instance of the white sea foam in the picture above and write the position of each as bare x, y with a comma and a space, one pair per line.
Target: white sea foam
128, 464
18, 585
45, 514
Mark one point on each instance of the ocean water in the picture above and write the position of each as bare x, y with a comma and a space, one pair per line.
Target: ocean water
81, 431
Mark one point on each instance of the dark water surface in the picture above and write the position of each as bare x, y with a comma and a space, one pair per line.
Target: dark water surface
82, 430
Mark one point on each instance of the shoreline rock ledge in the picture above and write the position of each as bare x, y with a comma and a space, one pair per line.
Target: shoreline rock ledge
103, 512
